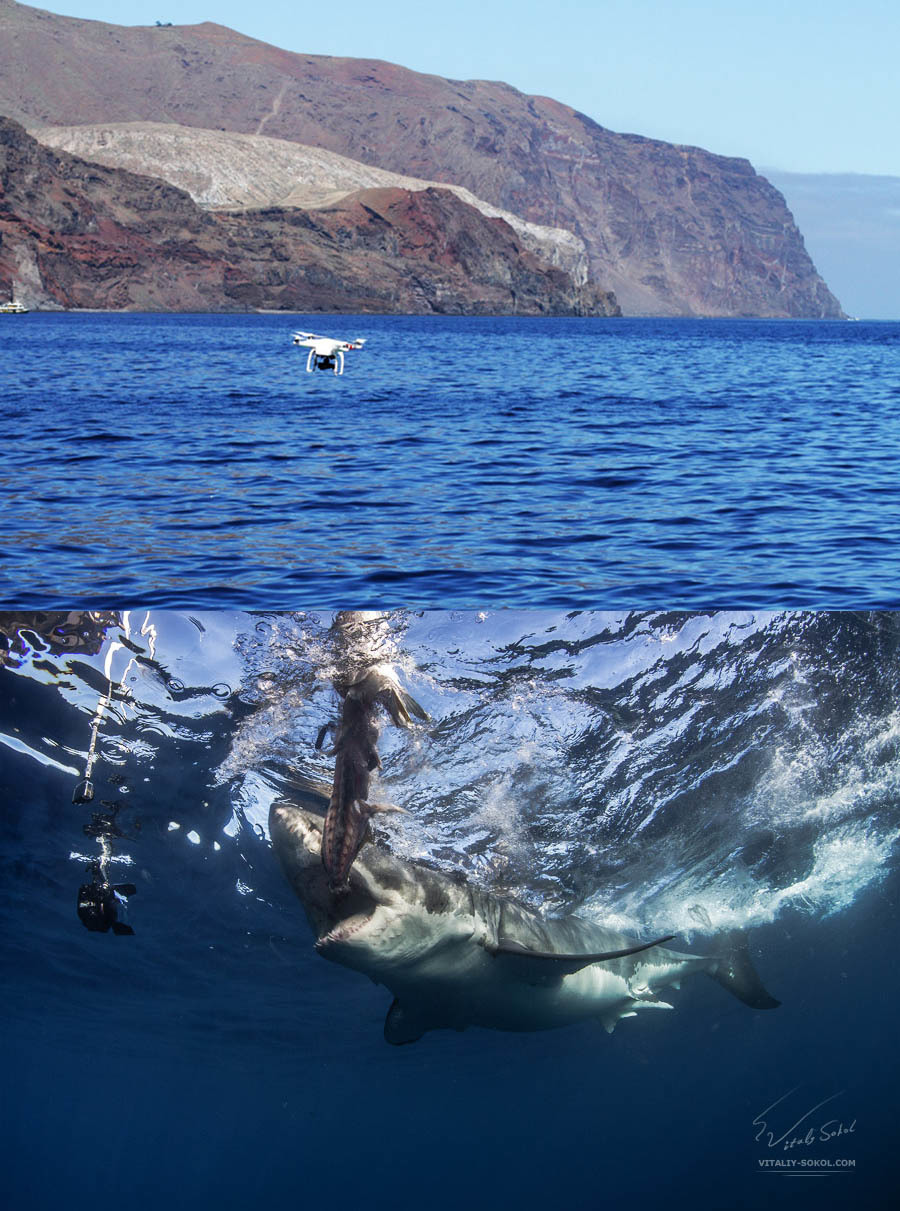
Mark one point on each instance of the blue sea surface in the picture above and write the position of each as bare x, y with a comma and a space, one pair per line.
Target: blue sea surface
189, 459
686, 773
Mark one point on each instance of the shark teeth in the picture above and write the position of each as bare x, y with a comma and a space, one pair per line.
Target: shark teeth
342, 932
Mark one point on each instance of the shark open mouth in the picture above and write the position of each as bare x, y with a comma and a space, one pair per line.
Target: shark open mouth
356, 910
343, 932
337, 917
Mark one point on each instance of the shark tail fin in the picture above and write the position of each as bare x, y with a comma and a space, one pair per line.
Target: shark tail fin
732, 967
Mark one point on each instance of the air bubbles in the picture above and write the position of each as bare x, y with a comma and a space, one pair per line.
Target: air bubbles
221, 690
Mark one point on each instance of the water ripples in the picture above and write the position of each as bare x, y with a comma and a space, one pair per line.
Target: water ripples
457, 462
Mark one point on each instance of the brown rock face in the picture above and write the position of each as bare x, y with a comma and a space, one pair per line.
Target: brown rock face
394, 250
75, 234
78, 234
673, 230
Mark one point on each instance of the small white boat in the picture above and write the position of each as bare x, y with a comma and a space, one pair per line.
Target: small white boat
13, 308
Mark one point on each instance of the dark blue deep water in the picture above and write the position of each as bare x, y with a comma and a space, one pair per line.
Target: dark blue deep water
177, 459
687, 773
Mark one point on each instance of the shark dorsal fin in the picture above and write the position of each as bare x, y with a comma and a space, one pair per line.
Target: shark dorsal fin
554, 966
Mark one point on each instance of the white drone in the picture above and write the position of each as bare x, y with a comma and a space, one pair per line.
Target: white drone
325, 353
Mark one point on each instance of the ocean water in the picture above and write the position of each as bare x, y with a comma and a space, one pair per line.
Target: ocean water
668, 772
502, 492
171, 460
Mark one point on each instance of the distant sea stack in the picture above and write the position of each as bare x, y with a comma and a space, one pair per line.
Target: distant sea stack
672, 230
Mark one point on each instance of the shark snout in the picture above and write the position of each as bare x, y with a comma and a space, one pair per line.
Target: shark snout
336, 915
302, 829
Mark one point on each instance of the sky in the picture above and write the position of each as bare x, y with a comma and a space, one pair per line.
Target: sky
804, 86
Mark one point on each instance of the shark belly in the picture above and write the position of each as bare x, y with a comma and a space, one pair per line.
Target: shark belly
468, 986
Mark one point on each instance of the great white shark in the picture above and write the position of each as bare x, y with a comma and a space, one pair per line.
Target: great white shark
454, 955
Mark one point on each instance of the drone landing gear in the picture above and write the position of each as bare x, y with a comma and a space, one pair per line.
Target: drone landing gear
320, 361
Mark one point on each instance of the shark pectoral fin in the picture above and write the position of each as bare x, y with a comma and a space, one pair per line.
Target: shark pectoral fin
558, 965
731, 967
401, 1026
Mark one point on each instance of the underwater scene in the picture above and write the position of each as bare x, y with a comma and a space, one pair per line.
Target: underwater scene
442, 908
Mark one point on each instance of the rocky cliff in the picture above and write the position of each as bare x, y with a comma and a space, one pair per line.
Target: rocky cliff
224, 169
79, 234
674, 230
